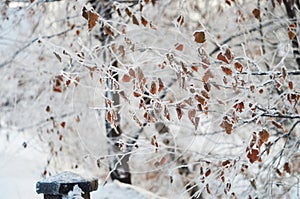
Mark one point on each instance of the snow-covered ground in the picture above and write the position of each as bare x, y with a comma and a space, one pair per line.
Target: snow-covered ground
20, 169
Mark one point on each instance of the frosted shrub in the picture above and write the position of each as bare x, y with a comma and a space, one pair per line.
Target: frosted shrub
185, 98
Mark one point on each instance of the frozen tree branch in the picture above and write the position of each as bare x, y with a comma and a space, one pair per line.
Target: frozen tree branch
11, 59
291, 12
279, 115
240, 34
270, 73
261, 29
280, 137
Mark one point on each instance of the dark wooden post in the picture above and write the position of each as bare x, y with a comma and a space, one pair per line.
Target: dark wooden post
56, 187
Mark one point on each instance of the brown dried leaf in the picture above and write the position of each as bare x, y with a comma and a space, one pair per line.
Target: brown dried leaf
131, 72
126, 78
144, 21
292, 26
109, 102
128, 12
228, 186
228, 54
109, 116
122, 94
119, 12
200, 99
162, 161
278, 172
141, 7
154, 141
207, 87
207, 189
264, 135
77, 119
179, 47
284, 72
167, 113
153, 26
256, 13
136, 94
221, 57
68, 82
179, 112
191, 115
148, 117
57, 89
207, 75
57, 56
225, 163
291, 34
238, 66
204, 94
291, 85
225, 80
134, 20
122, 50
197, 120
195, 68
77, 80
239, 106
226, 70
153, 2
48, 108
253, 155
85, 13
208, 172
108, 31
160, 85
276, 124
93, 19
227, 126
63, 124
228, 2
199, 36
141, 77
180, 20
136, 119
153, 88
142, 104
286, 167
225, 57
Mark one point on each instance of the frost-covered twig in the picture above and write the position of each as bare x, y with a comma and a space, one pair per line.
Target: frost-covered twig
11, 59
238, 35
279, 115
280, 137
290, 9
264, 73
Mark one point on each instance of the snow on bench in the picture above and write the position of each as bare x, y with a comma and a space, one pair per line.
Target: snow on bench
63, 185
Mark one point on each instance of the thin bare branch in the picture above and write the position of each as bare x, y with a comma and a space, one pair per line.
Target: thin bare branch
280, 137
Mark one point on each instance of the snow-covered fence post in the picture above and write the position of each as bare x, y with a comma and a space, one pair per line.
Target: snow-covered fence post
66, 184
